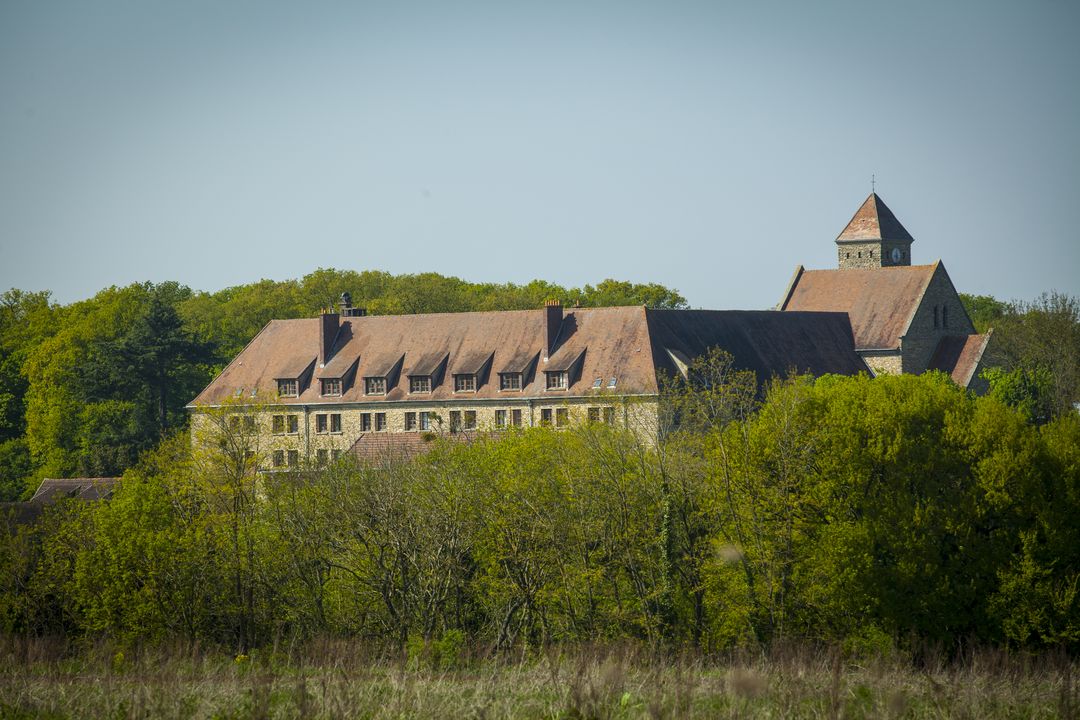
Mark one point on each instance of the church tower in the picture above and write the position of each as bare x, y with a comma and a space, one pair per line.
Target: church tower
874, 238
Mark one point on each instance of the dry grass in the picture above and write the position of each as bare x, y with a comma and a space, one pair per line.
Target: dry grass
339, 679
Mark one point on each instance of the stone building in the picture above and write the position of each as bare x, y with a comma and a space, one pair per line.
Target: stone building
905, 318
309, 390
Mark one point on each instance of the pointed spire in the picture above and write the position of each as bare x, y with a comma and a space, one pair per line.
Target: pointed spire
874, 221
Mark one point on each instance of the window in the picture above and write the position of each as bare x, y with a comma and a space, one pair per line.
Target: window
286, 388
515, 418
598, 382
425, 421
562, 417
556, 380
871, 254
860, 253
331, 387
945, 316
375, 386
234, 424
249, 424
509, 381
464, 383
282, 424
470, 419
609, 415
613, 381
294, 458
321, 457
594, 415
410, 421
935, 317
335, 454
365, 422
320, 424
545, 416
279, 458
380, 422
420, 384
335, 422
500, 418
455, 420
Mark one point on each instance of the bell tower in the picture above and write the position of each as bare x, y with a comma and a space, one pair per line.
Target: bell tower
874, 238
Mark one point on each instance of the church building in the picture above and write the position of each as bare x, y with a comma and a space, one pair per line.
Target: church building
905, 318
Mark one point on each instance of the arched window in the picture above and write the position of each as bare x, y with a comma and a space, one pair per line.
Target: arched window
945, 315
935, 317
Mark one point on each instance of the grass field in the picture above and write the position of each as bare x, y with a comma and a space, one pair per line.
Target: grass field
337, 679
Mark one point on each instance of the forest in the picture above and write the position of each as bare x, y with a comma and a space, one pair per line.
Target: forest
893, 517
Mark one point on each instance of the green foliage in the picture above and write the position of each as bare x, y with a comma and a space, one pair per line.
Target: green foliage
1035, 348
871, 513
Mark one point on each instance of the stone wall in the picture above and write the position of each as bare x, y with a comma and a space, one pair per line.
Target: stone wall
639, 415
871, 254
884, 363
940, 313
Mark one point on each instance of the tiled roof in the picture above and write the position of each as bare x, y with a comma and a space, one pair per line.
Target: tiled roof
619, 342
391, 447
82, 488
879, 301
959, 356
874, 221
767, 342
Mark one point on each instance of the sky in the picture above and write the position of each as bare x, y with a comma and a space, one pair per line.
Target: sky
707, 146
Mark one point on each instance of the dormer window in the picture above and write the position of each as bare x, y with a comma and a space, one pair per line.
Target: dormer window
613, 381
287, 388
509, 381
465, 383
375, 386
331, 387
556, 380
420, 384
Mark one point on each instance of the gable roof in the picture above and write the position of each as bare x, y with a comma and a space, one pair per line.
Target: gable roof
880, 301
766, 342
874, 221
959, 356
626, 343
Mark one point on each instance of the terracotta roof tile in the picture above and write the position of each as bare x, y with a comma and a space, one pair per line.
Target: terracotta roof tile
874, 221
959, 356
619, 342
879, 301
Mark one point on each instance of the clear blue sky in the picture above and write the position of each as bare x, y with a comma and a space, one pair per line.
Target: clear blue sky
707, 146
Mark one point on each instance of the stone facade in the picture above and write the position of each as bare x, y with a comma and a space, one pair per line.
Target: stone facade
888, 362
872, 254
297, 430
938, 314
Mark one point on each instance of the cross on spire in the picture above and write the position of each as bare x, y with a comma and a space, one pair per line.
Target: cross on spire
873, 183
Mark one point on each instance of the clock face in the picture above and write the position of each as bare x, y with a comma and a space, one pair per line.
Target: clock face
896, 254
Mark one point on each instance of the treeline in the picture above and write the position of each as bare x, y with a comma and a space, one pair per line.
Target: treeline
86, 387
882, 514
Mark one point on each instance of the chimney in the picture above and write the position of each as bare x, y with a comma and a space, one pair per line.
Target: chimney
328, 330
347, 310
552, 323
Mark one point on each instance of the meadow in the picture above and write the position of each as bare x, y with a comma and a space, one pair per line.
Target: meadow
334, 678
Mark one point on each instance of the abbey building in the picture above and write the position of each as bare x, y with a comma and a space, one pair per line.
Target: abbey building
905, 318
307, 391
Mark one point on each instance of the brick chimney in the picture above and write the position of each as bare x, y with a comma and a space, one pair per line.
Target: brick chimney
553, 317
329, 323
